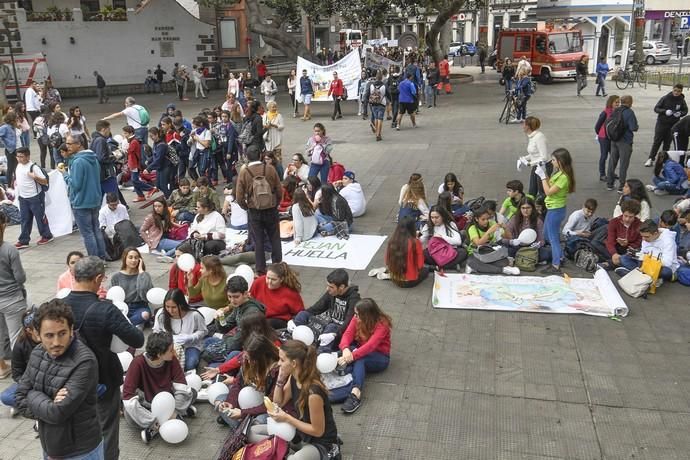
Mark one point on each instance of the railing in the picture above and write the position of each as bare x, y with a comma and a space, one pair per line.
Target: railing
668, 78
50, 15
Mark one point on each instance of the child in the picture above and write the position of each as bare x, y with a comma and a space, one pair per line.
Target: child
669, 176
684, 235
454, 187
515, 192
623, 235
658, 242
578, 227
482, 232
669, 220
26, 342
182, 202
155, 371
177, 279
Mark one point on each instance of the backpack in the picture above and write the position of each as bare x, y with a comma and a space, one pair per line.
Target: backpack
615, 126
344, 96
113, 248
55, 140
144, 117
336, 172
526, 259
171, 154
586, 259
376, 95
246, 136
441, 251
262, 194
635, 283
393, 83
127, 235
44, 188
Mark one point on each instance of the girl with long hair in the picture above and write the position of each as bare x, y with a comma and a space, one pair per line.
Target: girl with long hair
300, 382
452, 185
177, 279
441, 225
23, 123
526, 217
537, 153
413, 200
136, 282
184, 323
290, 184
211, 284
208, 226
482, 234
318, 150
279, 291
303, 216
160, 163
274, 126
634, 189
556, 188
612, 103
77, 123
314, 190
366, 346
291, 85
21, 352
333, 214
669, 176
405, 255
156, 229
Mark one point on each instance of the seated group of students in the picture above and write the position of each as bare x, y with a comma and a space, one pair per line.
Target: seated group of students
466, 228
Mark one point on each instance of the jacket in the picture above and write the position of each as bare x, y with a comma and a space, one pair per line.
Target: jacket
673, 103
257, 130
97, 328
336, 88
581, 69
682, 127
133, 154
379, 341
631, 125
338, 309
407, 91
181, 202
244, 190
600, 125
150, 232
602, 70
354, 195
158, 160
71, 427
663, 247
432, 77
340, 210
99, 146
234, 318
536, 148
305, 85
8, 135
21, 353
616, 229
83, 180
674, 173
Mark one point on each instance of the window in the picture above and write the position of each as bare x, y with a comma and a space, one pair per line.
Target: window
167, 49
523, 43
540, 44
568, 42
120, 4
27, 5
90, 6
228, 34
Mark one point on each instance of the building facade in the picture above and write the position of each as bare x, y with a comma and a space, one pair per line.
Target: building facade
667, 20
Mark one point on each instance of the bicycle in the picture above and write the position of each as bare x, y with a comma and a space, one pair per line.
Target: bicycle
626, 78
509, 108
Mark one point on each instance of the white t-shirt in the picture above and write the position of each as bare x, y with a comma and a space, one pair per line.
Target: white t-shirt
27, 187
18, 135
132, 115
238, 216
77, 132
33, 100
204, 136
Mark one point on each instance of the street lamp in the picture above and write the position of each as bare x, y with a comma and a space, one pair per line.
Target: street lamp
6, 25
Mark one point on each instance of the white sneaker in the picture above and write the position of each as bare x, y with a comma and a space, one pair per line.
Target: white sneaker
660, 192
468, 269
511, 271
650, 187
659, 282
648, 163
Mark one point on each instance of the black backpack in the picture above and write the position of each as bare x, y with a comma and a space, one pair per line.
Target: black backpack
44, 188
393, 83
127, 235
113, 247
615, 126
55, 140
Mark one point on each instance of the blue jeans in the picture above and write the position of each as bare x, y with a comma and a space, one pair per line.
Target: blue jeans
508, 84
163, 181
191, 358
604, 149
552, 234
522, 109
143, 135
28, 209
57, 157
661, 184
168, 246
135, 312
430, 95
7, 396
96, 454
320, 169
373, 362
87, 222
325, 223
632, 263
184, 216
302, 319
139, 186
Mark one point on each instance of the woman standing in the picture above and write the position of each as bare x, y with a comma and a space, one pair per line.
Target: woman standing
556, 188
405, 256
537, 153
10, 135
319, 148
208, 226
508, 74
211, 284
77, 123
23, 122
600, 128
12, 296
523, 91
40, 126
336, 92
303, 217
136, 282
157, 227
233, 85
581, 73
184, 323
279, 290
273, 129
291, 85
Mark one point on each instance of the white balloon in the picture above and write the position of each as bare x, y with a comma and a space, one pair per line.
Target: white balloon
303, 334
208, 313
194, 381
125, 359
186, 262
281, 429
117, 345
115, 293
246, 272
327, 362
163, 406
156, 296
122, 306
249, 397
527, 236
62, 293
174, 431
217, 390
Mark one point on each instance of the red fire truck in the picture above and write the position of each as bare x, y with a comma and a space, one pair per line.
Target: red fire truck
552, 53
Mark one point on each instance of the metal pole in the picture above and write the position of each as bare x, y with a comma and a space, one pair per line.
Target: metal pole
14, 66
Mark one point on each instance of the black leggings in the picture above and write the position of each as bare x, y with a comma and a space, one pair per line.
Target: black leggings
494, 268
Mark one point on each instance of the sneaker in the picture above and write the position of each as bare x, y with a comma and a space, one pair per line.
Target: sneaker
602, 178
351, 404
149, 433
551, 270
609, 188
383, 275
648, 163
19, 245
511, 270
43, 241
13, 412
650, 187
389, 117
36, 426
621, 271
656, 192
378, 138
139, 199
191, 411
221, 421
658, 283
397, 127
468, 269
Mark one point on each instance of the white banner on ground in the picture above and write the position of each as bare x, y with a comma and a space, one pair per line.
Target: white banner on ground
376, 61
553, 294
349, 71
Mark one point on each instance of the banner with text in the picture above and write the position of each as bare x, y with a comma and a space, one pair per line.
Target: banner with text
376, 61
349, 71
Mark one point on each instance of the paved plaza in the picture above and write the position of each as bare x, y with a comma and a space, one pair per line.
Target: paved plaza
462, 384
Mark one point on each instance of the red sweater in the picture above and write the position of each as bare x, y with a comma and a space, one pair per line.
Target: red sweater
133, 154
176, 280
170, 135
336, 88
282, 303
151, 380
616, 230
415, 259
380, 339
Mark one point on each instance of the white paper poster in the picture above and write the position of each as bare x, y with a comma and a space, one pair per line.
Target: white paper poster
349, 70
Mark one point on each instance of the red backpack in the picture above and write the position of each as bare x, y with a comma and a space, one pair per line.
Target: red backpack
336, 172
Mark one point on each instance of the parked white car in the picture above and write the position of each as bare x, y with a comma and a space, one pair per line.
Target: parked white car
654, 52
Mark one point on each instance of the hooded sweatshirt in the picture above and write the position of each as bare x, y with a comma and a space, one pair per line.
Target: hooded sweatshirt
338, 309
674, 104
83, 180
663, 247
354, 195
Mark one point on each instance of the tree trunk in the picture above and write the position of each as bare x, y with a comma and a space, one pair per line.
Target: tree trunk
433, 36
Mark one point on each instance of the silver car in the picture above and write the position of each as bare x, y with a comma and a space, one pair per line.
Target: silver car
655, 52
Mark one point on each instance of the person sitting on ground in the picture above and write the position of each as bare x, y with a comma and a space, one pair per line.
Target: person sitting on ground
366, 346
155, 371
298, 168
182, 202
66, 279
623, 234
515, 192
186, 325
684, 236
239, 219
333, 214
482, 233
670, 178
177, 279
208, 226
352, 191
452, 185
7, 205
303, 217
413, 200
289, 186
635, 189
658, 243
157, 228
279, 290
136, 282
441, 225
525, 218
27, 340
405, 256
331, 314
211, 283
240, 305
299, 382
669, 219
204, 190
112, 213
579, 226
314, 190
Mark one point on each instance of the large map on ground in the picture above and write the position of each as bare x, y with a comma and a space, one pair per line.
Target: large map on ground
553, 294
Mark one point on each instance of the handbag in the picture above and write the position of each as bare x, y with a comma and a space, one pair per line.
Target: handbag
179, 233
273, 448
236, 440
635, 283
441, 251
651, 266
489, 254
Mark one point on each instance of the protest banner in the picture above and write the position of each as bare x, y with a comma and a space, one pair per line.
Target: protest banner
376, 61
349, 71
